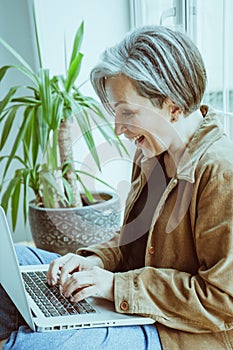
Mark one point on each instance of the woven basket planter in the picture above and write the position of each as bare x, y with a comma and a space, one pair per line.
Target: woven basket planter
65, 230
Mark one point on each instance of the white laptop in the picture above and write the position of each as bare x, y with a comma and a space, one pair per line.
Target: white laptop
92, 312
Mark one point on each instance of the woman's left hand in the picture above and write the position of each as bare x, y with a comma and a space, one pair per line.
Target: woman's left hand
94, 282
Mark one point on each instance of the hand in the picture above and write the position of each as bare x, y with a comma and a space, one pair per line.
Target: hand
61, 267
80, 278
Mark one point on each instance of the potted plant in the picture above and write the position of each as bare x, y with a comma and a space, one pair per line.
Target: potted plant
42, 150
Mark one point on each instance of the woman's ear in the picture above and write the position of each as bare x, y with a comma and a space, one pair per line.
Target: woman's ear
175, 113
174, 110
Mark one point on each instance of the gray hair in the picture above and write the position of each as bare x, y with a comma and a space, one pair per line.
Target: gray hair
160, 62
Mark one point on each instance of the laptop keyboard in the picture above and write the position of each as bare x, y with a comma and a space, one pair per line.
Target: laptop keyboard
49, 299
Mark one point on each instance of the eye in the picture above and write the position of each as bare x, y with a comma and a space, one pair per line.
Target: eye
127, 113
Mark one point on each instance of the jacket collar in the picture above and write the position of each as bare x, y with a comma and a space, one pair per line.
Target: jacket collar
208, 132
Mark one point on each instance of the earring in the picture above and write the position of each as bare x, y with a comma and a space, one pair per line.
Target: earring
174, 118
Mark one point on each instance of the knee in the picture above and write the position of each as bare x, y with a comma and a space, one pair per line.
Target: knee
33, 256
25, 255
2, 343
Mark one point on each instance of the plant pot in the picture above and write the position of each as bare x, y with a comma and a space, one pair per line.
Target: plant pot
65, 230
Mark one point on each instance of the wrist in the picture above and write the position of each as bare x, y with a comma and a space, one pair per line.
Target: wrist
96, 260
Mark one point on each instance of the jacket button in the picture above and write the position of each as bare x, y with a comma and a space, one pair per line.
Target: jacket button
124, 305
151, 250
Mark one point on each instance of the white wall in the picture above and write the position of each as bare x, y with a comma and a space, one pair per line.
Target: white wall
15, 28
106, 21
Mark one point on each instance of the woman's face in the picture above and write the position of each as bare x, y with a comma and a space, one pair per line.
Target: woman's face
136, 117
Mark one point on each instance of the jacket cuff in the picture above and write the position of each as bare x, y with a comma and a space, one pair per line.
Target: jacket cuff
101, 253
123, 292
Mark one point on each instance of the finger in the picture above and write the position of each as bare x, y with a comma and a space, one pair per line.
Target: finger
68, 267
76, 282
54, 269
89, 291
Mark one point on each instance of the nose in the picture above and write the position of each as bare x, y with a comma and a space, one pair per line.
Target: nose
120, 127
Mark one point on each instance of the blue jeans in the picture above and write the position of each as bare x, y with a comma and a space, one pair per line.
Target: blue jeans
20, 336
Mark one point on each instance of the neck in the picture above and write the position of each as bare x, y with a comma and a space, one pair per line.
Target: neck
184, 128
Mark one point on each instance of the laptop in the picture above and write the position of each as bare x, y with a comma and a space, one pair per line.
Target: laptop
27, 288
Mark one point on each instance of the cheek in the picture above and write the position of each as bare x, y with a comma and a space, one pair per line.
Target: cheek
153, 122
141, 123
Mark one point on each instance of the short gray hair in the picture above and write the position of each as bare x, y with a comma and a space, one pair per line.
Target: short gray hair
160, 62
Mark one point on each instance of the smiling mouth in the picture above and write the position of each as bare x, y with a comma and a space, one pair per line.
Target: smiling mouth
138, 139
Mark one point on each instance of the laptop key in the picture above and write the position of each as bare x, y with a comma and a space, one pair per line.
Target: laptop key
54, 312
87, 306
63, 312
78, 307
71, 311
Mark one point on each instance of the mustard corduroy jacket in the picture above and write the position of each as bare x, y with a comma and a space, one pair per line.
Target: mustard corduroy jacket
186, 285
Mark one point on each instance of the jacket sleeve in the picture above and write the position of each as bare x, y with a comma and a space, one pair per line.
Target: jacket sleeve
109, 252
195, 303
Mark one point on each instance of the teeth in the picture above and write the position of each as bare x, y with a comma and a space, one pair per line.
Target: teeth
137, 138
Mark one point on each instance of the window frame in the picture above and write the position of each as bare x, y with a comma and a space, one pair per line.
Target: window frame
184, 13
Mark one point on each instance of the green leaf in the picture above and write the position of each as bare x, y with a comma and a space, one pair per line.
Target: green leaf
15, 201
26, 101
4, 115
48, 198
32, 136
16, 55
68, 191
30, 140
28, 72
111, 138
7, 195
45, 95
17, 142
73, 71
7, 127
26, 177
95, 178
77, 42
16, 158
58, 84
42, 128
57, 112
3, 71
37, 36
52, 152
51, 180
87, 192
85, 127
7, 98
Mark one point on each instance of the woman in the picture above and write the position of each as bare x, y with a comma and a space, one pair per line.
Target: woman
173, 259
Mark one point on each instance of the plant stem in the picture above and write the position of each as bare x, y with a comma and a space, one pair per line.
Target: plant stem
66, 157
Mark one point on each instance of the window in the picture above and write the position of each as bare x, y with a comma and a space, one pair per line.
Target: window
208, 23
